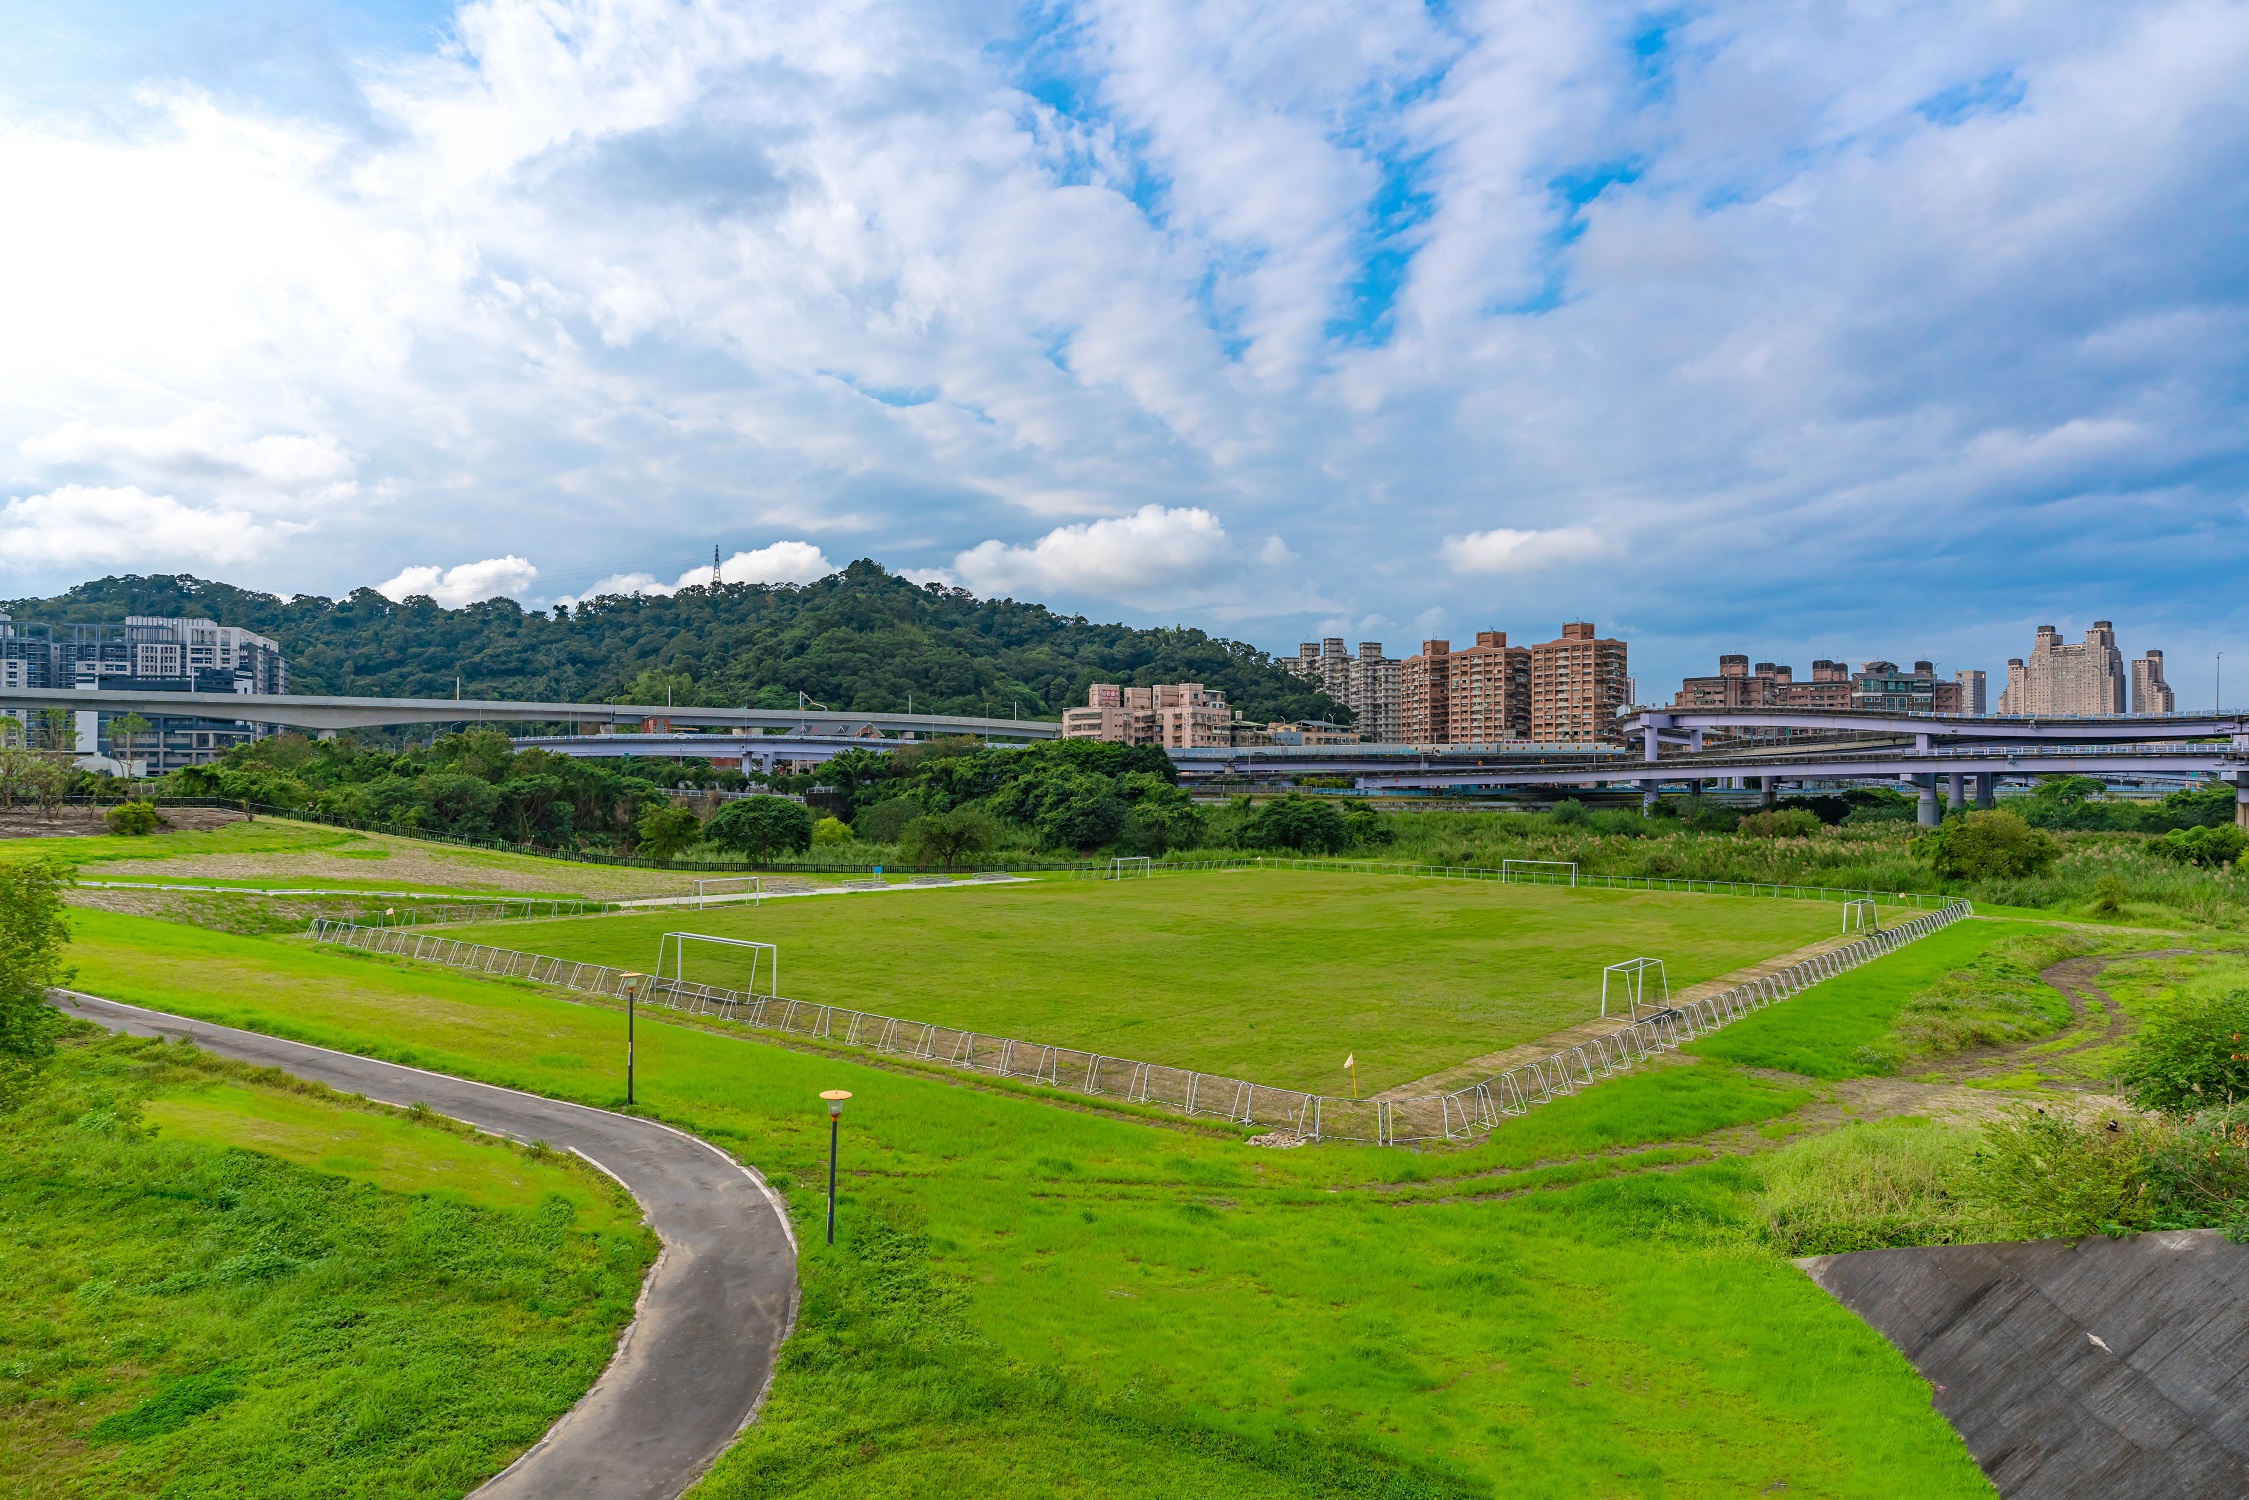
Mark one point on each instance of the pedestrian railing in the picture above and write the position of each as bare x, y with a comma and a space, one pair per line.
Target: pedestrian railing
1455, 1115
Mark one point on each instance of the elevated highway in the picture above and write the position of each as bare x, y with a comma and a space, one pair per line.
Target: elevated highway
330, 715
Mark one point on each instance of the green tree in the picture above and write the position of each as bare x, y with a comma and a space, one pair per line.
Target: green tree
761, 827
949, 837
664, 830
830, 831
125, 732
32, 934
1993, 845
886, 821
2191, 1055
1310, 824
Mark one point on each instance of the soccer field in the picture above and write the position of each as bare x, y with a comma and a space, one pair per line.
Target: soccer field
1272, 976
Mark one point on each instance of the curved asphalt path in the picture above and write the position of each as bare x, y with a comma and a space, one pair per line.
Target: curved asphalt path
695, 1363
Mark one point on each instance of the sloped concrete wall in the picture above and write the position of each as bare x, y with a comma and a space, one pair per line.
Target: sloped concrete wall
2093, 1369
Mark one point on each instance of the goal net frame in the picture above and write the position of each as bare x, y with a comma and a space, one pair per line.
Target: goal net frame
1120, 866
1508, 868
675, 944
1631, 978
1863, 914
703, 895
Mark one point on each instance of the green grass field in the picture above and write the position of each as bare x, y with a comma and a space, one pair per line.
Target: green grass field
219, 1284
1031, 1300
1272, 976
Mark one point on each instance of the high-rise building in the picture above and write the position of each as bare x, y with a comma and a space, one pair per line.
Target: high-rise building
1970, 681
1578, 686
2067, 680
1425, 695
1367, 683
145, 654
1488, 687
2150, 693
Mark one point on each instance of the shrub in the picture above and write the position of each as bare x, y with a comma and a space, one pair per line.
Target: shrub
1297, 822
885, 821
2109, 893
761, 827
32, 934
1986, 846
133, 819
1781, 823
831, 831
946, 838
2037, 1174
664, 830
2202, 846
2192, 1054
1568, 812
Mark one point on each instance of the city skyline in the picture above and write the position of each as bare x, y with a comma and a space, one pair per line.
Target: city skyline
1292, 323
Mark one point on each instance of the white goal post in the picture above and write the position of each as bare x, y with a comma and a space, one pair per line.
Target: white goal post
1509, 868
1631, 978
1125, 866
751, 887
674, 948
1862, 915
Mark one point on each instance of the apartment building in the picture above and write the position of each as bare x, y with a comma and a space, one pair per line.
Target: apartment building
146, 654
2067, 679
2150, 693
1367, 683
1425, 695
1579, 685
1176, 715
1881, 687
1970, 681
1488, 691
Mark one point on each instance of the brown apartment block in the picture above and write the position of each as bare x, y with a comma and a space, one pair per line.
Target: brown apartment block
1578, 686
1488, 689
1175, 715
1425, 695
1768, 685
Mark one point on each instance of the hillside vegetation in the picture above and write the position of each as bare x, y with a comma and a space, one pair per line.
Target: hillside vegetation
862, 640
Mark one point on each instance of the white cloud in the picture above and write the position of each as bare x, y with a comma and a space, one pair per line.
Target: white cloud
1153, 550
782, 562
464, 583
1504, 551
79, 526
210, 443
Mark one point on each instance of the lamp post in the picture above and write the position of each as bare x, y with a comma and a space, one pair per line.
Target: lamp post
835, 1098
632, 988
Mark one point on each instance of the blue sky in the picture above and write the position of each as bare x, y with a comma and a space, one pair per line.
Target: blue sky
1796, 330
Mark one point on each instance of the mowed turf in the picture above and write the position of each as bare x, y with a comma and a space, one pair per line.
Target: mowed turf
1269, 975
1030, 1300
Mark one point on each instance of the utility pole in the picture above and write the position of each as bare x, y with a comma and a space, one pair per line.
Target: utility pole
714, 565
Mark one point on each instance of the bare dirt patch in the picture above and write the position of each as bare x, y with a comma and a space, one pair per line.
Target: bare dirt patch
86, 822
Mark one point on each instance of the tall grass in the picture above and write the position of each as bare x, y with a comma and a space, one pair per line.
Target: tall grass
1869, 1186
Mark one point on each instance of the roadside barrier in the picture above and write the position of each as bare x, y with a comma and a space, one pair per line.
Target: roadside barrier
1456, 1115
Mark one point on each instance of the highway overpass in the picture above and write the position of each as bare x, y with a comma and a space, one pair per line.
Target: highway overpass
330, 715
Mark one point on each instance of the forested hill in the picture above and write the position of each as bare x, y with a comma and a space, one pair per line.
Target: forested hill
862, 639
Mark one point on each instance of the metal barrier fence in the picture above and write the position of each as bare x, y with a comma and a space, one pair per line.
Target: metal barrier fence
1919, 900
525, 910
1456, 1115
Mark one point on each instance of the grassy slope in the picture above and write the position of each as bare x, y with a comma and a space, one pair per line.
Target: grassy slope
1268, 975
181, 1316
1036, 1300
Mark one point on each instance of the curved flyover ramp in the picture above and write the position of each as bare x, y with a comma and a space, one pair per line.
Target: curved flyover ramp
694, 1365
2092, 1369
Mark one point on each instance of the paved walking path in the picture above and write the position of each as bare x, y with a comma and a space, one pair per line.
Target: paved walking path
695, 1363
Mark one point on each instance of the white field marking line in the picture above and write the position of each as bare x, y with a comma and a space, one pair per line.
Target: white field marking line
773, 1200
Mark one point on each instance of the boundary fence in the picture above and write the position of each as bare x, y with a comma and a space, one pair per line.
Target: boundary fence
1455, 1115
1920, 900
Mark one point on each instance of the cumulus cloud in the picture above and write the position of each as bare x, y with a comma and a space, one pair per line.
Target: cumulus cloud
782, 562
1505, 551
1154, 550
81, 526
464, 583
1748, 280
